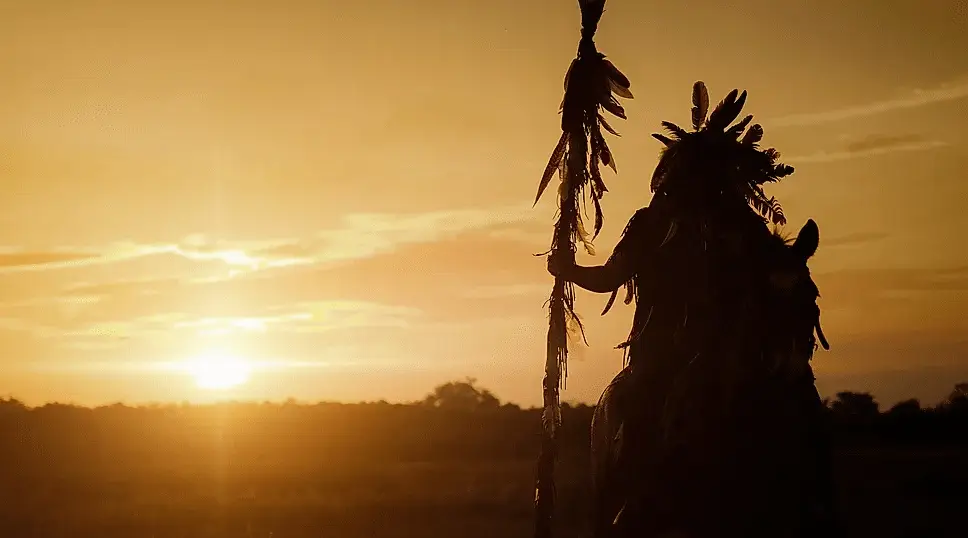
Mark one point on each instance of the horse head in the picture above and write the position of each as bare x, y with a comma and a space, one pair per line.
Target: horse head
791, 317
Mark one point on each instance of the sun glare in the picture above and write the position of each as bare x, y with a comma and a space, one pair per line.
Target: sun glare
219, 372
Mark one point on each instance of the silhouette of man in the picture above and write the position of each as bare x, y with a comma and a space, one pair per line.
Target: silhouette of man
692, 263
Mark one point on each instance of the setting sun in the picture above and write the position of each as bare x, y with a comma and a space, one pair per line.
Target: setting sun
219, 371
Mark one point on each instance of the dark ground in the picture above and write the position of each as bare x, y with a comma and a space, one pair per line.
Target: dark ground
377, 470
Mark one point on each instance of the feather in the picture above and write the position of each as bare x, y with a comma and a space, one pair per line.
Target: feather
594, 173
619, 90
658, 176
674, 129
670, 233
741, 102
611, 158
611, 301
614, 107
700, 104
823, 339
606, 126
571, 68
737, 107
753, 136
574, 326
738, 129
776, 212
768, 207
583, 237
599, 216
598, 185
553, 164
602, 90
782, 170
721, 117
594, 147
664, 139
616, 75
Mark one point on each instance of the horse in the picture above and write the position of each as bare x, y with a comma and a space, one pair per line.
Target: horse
735, 444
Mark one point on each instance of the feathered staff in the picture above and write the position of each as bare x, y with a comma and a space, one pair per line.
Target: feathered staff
591, 84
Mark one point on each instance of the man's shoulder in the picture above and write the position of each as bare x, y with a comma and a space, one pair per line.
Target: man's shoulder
642, 228
639, 221
655, 215
643, 216
643, 212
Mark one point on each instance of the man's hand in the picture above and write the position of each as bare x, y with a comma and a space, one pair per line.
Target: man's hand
559, 266
598, 279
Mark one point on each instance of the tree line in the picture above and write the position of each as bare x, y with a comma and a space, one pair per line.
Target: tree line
457, 421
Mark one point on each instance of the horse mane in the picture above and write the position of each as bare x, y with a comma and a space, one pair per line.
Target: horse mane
782, 235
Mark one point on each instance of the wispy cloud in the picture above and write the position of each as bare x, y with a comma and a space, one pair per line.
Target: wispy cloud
870, 147
299, 318
366, 234
121, 287
312, 317
883, 141
230, 255
164, 300
951, 91
357, 236
470, 275
36, 260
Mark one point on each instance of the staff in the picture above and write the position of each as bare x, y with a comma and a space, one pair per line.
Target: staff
591, 84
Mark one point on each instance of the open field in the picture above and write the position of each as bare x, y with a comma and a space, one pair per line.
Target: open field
367, 471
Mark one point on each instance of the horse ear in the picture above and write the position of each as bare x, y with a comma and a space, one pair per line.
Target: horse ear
807, 240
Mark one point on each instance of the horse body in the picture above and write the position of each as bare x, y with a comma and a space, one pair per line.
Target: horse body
720, 437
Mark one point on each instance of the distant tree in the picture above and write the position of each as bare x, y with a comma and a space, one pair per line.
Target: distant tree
462, 396
907, 408
957, 400
12, 405
857, 405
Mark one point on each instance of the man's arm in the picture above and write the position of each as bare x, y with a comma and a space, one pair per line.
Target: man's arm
620, 267
599, 278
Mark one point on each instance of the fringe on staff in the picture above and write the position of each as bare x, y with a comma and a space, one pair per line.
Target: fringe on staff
591, 86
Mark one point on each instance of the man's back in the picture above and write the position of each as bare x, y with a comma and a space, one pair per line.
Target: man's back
691, 272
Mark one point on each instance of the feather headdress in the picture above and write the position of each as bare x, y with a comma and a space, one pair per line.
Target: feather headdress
717, 158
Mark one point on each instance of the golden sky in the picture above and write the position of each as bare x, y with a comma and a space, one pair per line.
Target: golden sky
337, 193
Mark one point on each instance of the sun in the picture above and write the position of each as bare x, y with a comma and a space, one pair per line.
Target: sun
218, 371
